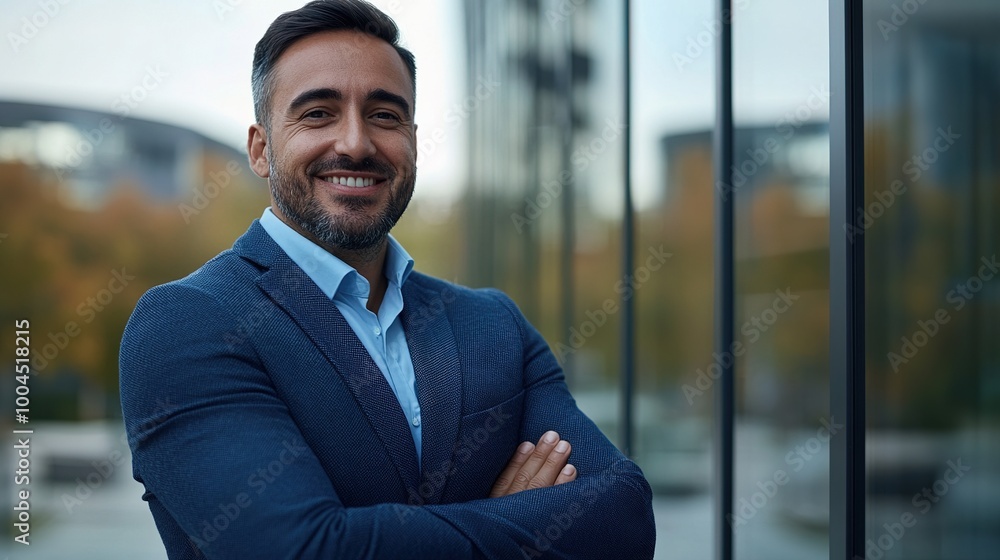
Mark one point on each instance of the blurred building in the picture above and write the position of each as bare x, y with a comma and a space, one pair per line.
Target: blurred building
92, 152
930, 370
528, 76
90, 195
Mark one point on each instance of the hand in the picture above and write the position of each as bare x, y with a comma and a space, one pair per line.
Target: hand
536, 466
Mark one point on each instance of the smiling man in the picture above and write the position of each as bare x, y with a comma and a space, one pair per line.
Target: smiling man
323, 399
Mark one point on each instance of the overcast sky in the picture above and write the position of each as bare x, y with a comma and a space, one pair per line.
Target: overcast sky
91, 52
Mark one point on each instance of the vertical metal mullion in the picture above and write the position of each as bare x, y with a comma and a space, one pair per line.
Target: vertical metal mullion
532, 236
567, 251
847, 277
628, 244
724, 286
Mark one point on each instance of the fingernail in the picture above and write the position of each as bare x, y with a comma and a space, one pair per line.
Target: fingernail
524, 448
550, 437
568, 470
562, 447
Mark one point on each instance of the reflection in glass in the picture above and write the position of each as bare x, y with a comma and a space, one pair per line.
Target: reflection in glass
780, 181
673, 108
932, 78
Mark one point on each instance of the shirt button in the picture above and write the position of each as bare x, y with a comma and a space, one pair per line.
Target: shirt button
416, 421
377, 331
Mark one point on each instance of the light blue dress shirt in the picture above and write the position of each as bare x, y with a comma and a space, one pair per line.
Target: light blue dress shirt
382, 335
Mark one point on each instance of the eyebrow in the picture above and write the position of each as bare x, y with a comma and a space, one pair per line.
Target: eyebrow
317, 94
330, 94
380, 94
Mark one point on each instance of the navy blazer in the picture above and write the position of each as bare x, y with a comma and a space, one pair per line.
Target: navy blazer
261, 428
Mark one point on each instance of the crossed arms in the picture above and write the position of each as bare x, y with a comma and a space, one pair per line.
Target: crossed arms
200, 461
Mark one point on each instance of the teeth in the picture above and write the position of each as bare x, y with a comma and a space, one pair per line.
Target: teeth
350, 181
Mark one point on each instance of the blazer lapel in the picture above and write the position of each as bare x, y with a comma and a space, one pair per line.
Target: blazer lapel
291, 289
434, 353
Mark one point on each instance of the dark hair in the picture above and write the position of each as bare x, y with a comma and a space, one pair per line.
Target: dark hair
315, 17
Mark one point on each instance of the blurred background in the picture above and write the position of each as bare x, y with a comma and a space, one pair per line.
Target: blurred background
122, 166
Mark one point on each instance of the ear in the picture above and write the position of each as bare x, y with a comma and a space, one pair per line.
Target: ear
257, 150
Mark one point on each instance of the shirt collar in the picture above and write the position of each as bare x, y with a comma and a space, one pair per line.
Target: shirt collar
331, 274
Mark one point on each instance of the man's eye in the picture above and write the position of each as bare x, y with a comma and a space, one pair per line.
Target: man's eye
385, 116
317, 114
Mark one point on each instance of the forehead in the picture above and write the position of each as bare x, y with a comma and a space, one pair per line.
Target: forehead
349, 61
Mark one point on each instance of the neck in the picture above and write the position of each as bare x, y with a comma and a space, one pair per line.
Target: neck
370, 263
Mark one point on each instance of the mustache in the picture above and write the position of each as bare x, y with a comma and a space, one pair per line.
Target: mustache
344, 163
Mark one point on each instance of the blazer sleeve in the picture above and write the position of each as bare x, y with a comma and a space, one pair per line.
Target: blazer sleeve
605, 513
226, 472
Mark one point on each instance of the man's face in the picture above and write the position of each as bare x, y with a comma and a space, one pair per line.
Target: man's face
341, 153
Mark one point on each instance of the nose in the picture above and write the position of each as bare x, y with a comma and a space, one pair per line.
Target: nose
352, 138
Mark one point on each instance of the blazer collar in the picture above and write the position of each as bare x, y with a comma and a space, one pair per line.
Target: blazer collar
438, 372
432, 346
292, 290
257, 246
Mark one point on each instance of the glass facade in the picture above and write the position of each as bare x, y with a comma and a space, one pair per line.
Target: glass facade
780, 187
931, 147
671, 163
546, 221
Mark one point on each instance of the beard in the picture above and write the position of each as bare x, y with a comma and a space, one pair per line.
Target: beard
355, 229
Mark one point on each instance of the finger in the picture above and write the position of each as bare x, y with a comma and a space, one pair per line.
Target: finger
502, 485
567, 474
552, 467
527, 472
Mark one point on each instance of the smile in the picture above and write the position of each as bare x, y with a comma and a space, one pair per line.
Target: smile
351, 181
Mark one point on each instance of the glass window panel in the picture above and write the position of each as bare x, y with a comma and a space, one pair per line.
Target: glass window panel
673, 107
780, 181
932, 77
542, 209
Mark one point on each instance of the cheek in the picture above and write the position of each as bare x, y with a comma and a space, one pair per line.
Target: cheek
302, 149
398, 147
405, 156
